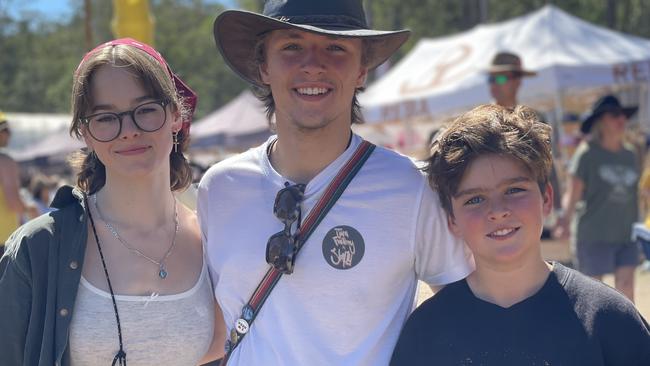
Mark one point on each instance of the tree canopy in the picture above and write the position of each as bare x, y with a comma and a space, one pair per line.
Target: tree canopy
39, 55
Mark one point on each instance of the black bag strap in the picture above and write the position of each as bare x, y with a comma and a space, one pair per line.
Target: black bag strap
332, 193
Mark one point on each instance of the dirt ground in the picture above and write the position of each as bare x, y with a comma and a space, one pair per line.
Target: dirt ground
560, 251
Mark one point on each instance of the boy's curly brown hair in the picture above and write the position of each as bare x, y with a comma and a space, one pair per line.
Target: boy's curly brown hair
488, 129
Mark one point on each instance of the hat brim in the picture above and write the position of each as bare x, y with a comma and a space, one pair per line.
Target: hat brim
588, 123
510, 68
236, 32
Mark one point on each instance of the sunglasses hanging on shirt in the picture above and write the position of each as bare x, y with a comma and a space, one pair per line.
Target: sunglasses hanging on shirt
281, 247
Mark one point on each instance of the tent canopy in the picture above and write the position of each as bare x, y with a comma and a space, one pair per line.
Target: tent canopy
37, 135
237, 125
55, 145
445, 75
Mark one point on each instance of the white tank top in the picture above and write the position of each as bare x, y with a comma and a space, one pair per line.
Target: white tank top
156, 330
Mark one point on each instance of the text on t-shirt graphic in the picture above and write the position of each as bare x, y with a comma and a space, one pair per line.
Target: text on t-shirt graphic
343, 247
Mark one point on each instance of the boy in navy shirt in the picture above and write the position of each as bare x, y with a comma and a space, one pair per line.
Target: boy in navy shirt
491, 169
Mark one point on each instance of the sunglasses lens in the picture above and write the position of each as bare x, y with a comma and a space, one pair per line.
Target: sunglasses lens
500, 79
280, 252
274, 247
287, 202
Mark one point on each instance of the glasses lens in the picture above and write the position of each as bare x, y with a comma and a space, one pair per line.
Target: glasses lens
150, 117
104, 126
287, 203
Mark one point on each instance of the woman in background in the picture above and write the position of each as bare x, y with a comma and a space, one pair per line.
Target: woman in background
602, 192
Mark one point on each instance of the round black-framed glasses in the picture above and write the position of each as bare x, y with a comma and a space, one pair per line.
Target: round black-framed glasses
147, 117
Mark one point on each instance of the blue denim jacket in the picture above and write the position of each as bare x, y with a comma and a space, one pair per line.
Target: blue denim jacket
39, 277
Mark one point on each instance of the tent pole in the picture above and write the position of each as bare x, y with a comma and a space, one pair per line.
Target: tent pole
558, 121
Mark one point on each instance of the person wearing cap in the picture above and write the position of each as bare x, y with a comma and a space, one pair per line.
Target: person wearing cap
117, 272
343, 299
504, 79
11, 205
602, 198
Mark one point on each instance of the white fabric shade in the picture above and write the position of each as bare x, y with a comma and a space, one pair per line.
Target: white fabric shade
446, 75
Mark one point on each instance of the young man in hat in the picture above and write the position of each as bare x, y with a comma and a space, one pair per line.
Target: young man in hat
491, 169
603, 176
355, 278
11, 205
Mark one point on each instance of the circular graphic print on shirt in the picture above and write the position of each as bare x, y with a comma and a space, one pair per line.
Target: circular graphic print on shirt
343, 247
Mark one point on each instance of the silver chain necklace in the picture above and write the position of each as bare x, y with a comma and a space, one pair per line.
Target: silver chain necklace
162, 269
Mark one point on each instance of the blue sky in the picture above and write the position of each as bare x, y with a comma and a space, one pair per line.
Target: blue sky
60, 9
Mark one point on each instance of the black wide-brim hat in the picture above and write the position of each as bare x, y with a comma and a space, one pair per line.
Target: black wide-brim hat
236, 32
608, 103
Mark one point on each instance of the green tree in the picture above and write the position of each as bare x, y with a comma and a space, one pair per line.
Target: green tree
251, 5
184, 37
38, 56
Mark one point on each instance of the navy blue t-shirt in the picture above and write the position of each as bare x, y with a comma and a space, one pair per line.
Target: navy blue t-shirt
572, 320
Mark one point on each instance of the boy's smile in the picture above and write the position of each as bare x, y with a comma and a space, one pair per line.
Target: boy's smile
499, 210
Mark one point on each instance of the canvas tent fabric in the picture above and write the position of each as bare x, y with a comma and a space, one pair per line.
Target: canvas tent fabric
237, 125
57, 144
37, 135
447, 75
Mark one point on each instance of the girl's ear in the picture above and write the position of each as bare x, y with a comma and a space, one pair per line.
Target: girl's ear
177, 120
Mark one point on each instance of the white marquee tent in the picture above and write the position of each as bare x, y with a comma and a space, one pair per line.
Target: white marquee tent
37, 135
444, 76
237, 125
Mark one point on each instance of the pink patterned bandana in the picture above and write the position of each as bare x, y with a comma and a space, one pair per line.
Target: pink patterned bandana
188, 96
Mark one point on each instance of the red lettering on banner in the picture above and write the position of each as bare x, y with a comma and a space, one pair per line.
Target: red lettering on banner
638, 72
619, 73
405, 110
631, 72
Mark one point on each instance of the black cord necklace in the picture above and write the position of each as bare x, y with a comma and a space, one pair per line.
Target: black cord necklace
120, 356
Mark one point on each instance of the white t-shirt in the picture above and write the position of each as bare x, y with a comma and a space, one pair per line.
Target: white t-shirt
355, 279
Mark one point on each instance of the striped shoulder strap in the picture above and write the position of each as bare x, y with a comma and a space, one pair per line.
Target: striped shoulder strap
332, 193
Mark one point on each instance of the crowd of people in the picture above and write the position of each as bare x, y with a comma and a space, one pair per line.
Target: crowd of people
308, 249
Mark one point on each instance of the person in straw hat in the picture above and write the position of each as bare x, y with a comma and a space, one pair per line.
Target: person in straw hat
344, 298
504, 77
